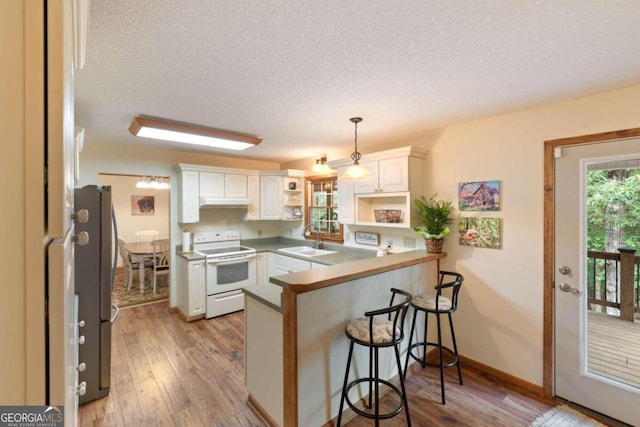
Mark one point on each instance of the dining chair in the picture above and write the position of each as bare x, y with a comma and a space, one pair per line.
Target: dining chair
126, 263
160, 259
146, 235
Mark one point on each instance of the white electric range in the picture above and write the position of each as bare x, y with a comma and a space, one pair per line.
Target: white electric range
229, 268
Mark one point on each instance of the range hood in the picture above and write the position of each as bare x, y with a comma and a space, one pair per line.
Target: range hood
223, 202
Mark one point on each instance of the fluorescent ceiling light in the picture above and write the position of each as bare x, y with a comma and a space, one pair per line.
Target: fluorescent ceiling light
191, 134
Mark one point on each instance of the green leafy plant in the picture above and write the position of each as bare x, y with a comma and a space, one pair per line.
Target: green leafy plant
435, 216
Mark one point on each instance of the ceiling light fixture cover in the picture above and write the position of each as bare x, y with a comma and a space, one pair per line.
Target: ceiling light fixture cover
355, 172
191, 134
153, 182
321, 166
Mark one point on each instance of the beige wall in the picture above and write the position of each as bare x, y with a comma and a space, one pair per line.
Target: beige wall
499, 322
12, 224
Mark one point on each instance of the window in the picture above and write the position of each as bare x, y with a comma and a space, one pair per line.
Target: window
322, 208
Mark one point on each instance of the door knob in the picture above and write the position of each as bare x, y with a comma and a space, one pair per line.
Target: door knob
563, 269
567, 288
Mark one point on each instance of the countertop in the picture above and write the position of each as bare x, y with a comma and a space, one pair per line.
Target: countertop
310, 280
267, 293
344, 254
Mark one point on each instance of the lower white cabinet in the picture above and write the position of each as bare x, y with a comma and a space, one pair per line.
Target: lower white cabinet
281, 264
262, 268
192, 292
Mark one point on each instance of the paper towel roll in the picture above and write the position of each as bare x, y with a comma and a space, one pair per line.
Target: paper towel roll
186, 241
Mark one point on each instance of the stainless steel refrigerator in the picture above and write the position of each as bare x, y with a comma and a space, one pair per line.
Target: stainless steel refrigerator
95, 265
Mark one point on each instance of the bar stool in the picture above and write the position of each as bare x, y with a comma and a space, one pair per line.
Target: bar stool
375, 332
437, 304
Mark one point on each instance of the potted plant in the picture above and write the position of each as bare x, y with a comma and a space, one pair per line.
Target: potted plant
435, 215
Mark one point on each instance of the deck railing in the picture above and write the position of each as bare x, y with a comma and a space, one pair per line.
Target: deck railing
613, 282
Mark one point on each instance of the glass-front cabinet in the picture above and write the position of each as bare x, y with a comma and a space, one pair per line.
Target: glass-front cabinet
322, 208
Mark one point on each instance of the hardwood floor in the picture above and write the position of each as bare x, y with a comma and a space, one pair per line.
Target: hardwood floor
166, 372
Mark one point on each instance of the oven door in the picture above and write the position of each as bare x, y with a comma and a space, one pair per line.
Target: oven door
226, 274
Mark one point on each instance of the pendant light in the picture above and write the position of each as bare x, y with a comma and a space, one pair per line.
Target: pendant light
355, 172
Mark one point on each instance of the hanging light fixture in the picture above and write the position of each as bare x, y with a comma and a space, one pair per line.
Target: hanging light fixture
355, 172
153, 182
321, 166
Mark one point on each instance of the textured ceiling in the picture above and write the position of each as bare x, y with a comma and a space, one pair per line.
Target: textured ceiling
294, 72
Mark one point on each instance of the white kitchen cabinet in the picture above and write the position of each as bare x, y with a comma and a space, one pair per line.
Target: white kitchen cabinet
218, 185
262, 268
346, 207
281, 195
270, 197
282, 264
211, 184
389, 175
398, 178
188, 192
192, 292
253, 193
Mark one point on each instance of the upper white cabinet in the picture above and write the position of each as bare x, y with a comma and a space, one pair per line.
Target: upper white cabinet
387, 199
270, 197
389, 175
188, 193
346, 208
281, 194
221, 185
253, 193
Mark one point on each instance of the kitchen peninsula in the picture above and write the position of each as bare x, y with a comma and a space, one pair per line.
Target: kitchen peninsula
296, 349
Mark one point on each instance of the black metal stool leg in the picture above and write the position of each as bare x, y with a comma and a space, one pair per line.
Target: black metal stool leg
404, 391
377, 409
441, 358
455, 347
424, 348
413, 325
344, 386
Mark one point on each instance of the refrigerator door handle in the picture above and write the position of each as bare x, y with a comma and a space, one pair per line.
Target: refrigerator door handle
116, 311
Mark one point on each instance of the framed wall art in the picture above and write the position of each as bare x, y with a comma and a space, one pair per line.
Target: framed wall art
480, 232
479, 196
142, 205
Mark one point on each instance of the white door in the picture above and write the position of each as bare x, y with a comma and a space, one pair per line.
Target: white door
573, 381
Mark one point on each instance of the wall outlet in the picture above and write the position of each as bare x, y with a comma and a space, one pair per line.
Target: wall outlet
347, 235
409, 242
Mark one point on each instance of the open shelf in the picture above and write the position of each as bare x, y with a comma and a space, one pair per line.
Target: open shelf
366, 204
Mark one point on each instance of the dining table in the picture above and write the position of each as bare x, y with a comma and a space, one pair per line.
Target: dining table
140, 252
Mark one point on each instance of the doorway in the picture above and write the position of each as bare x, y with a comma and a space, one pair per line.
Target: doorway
139, 207
572, 348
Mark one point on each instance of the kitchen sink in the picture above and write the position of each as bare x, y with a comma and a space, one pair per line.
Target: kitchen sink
306, 251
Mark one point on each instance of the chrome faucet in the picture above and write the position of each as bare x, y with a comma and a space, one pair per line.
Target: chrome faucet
319, 244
